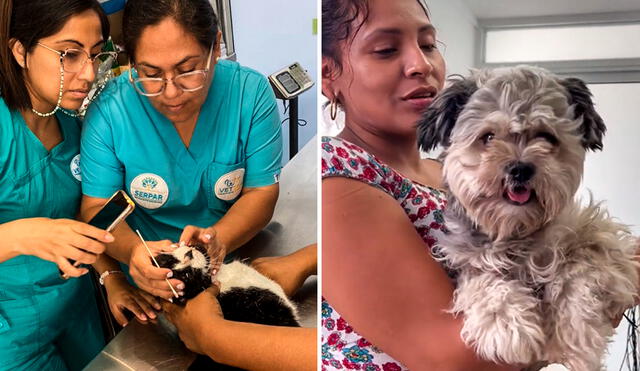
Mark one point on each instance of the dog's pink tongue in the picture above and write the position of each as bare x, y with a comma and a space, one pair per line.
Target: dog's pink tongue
520, 195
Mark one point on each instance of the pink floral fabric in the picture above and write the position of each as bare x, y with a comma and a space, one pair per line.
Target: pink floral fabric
342, 347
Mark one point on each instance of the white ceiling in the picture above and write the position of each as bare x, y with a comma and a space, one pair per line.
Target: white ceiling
530, 8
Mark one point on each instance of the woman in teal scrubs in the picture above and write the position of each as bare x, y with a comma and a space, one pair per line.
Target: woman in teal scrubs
193, 140
45, 322
47, 64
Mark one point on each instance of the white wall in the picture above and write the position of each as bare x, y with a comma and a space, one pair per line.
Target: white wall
270, 35
456, 27
613, 175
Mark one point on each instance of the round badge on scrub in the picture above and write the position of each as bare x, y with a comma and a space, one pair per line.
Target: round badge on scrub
229, 185
149, 190
75, 167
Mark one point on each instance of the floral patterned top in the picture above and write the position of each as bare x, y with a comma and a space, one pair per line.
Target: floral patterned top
342, 347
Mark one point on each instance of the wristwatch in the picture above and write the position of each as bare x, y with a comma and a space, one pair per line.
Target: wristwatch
105, 274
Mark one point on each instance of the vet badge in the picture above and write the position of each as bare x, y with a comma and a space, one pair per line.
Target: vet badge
149, 190
229, 185
75, 167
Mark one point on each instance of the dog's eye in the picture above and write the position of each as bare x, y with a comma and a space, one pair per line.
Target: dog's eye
487, 138
548, 137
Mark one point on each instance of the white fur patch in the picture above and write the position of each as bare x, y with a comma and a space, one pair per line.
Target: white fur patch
554, 367
198, 260
238, 274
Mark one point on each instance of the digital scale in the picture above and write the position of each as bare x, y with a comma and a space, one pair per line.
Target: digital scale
288, 84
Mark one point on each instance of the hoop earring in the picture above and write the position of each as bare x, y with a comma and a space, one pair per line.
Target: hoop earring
333, 109
59, 97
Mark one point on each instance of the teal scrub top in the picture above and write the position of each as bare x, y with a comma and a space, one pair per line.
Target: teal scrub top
127, 144
35, 183
37, 307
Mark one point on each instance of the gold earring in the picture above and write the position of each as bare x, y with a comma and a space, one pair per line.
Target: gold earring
333, 109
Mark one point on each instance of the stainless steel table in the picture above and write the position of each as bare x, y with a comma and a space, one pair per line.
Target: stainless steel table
294, 225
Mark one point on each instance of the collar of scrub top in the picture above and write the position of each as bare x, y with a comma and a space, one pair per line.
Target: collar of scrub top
206, 71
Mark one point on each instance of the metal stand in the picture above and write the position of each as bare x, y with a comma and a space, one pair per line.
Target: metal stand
293, 127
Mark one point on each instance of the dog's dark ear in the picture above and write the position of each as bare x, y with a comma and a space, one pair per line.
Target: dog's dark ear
593, 127
437, 121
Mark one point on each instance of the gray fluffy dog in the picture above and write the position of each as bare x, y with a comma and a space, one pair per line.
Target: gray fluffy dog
538, 276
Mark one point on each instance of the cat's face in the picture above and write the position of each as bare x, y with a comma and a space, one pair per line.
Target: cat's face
191, 265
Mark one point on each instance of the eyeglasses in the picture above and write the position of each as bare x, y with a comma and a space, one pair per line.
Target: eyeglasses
74, 60
189, 82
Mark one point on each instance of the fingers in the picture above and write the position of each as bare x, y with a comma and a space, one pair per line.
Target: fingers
139, 308
119, 316
151, 300
158, 288
142, 262
88, 244
145, 306
69, 270
151, 272
157, 247
151, 278
189, 234
79, 255
207, 235
91, 231
192, 234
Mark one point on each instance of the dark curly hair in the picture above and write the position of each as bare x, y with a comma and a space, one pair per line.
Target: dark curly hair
196, 16
339, 24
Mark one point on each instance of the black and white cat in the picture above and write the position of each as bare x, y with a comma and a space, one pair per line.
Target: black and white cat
245, 294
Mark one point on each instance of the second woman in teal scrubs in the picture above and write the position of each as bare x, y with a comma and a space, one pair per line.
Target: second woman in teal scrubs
193, 140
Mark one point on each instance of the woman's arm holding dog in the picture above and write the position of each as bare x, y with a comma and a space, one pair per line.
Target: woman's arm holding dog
379, 274
203, 330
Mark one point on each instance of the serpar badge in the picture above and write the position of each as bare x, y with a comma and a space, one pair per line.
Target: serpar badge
149, 190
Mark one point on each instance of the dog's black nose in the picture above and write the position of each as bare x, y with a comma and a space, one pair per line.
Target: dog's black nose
521, 171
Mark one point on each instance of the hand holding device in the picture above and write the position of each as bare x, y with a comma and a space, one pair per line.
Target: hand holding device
114, 211
58, 240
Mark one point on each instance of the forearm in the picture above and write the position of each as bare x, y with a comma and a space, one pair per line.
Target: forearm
308, 257
9, 249
272, 347
112, 281
125, 237
398, 298
106, 263
125, 240
246, 217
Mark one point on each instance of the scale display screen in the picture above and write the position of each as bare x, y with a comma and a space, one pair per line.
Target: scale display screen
288, 82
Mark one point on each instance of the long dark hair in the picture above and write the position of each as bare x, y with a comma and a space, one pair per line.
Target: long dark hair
28, 22
195, 16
